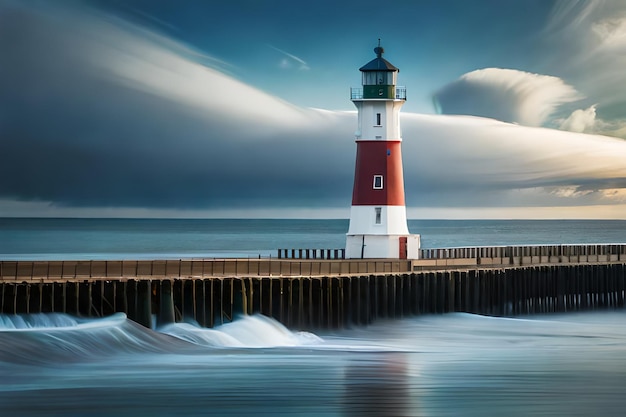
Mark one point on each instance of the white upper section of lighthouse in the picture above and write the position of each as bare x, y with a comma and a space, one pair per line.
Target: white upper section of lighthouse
379, 100
378, 119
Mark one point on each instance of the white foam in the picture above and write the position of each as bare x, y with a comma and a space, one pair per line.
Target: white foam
36, 321
247, 331
199, 335
56, 321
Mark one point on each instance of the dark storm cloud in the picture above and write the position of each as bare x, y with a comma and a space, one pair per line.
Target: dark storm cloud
77, 134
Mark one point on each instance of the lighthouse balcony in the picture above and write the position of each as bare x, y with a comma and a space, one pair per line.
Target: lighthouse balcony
384, 93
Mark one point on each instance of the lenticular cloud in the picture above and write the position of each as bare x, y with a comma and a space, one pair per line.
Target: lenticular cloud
507, 95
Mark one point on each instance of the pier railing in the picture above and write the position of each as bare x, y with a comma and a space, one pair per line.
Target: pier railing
524, 251
194, 268
504, 256
312, 253
309, 263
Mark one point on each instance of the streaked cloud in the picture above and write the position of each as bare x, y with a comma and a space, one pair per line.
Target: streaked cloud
571, 192
589, 41
152, 19
290, 61
473, 160
611, 34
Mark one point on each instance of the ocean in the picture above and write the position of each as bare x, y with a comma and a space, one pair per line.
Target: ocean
435, 365
79, 239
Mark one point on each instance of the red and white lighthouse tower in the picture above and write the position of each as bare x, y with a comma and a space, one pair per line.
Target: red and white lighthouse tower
378, 226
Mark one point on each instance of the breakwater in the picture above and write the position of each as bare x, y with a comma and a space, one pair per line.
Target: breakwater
319, 293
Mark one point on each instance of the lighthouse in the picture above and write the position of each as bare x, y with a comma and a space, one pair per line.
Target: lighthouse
378, 226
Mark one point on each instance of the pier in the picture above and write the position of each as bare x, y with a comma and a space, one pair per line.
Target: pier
324, 293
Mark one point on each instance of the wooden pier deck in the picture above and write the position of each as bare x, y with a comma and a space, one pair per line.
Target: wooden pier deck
323, 293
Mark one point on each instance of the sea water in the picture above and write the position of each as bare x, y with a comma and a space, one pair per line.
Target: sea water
445, 365
435, 365
79, 239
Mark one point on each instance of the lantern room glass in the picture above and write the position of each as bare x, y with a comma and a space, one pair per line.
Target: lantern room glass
379, 77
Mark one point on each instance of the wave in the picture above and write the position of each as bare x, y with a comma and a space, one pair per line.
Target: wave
58, 338
61, 338
255, 331
36, 321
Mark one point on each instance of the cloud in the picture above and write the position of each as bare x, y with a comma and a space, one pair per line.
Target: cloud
582, 42
611, 34
289, 60
581, 120
568, 14
587, 45
615, 194
507, 95
125, 117
569, 192
151, 19
476, 161
102, 116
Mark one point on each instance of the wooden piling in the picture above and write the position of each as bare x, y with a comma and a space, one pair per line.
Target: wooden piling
144, 303
166, 303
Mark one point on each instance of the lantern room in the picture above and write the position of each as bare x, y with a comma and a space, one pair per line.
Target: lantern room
379, 77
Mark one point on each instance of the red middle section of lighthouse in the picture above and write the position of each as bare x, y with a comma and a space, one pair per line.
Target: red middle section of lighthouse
378, 157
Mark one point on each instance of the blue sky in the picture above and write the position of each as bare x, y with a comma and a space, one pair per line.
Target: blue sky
515, 109
307, 53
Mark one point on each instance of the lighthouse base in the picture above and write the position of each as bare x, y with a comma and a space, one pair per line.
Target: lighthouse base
382, 246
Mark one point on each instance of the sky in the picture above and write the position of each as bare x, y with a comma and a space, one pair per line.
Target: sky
159, 108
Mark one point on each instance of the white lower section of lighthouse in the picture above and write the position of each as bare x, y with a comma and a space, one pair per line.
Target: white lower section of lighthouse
382, 220
381, 246
380, 232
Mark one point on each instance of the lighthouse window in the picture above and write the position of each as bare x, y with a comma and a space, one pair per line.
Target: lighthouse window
377, 77
377, 119
378, 182
378, 210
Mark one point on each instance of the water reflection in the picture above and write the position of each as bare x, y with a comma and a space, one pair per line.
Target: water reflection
378, 386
